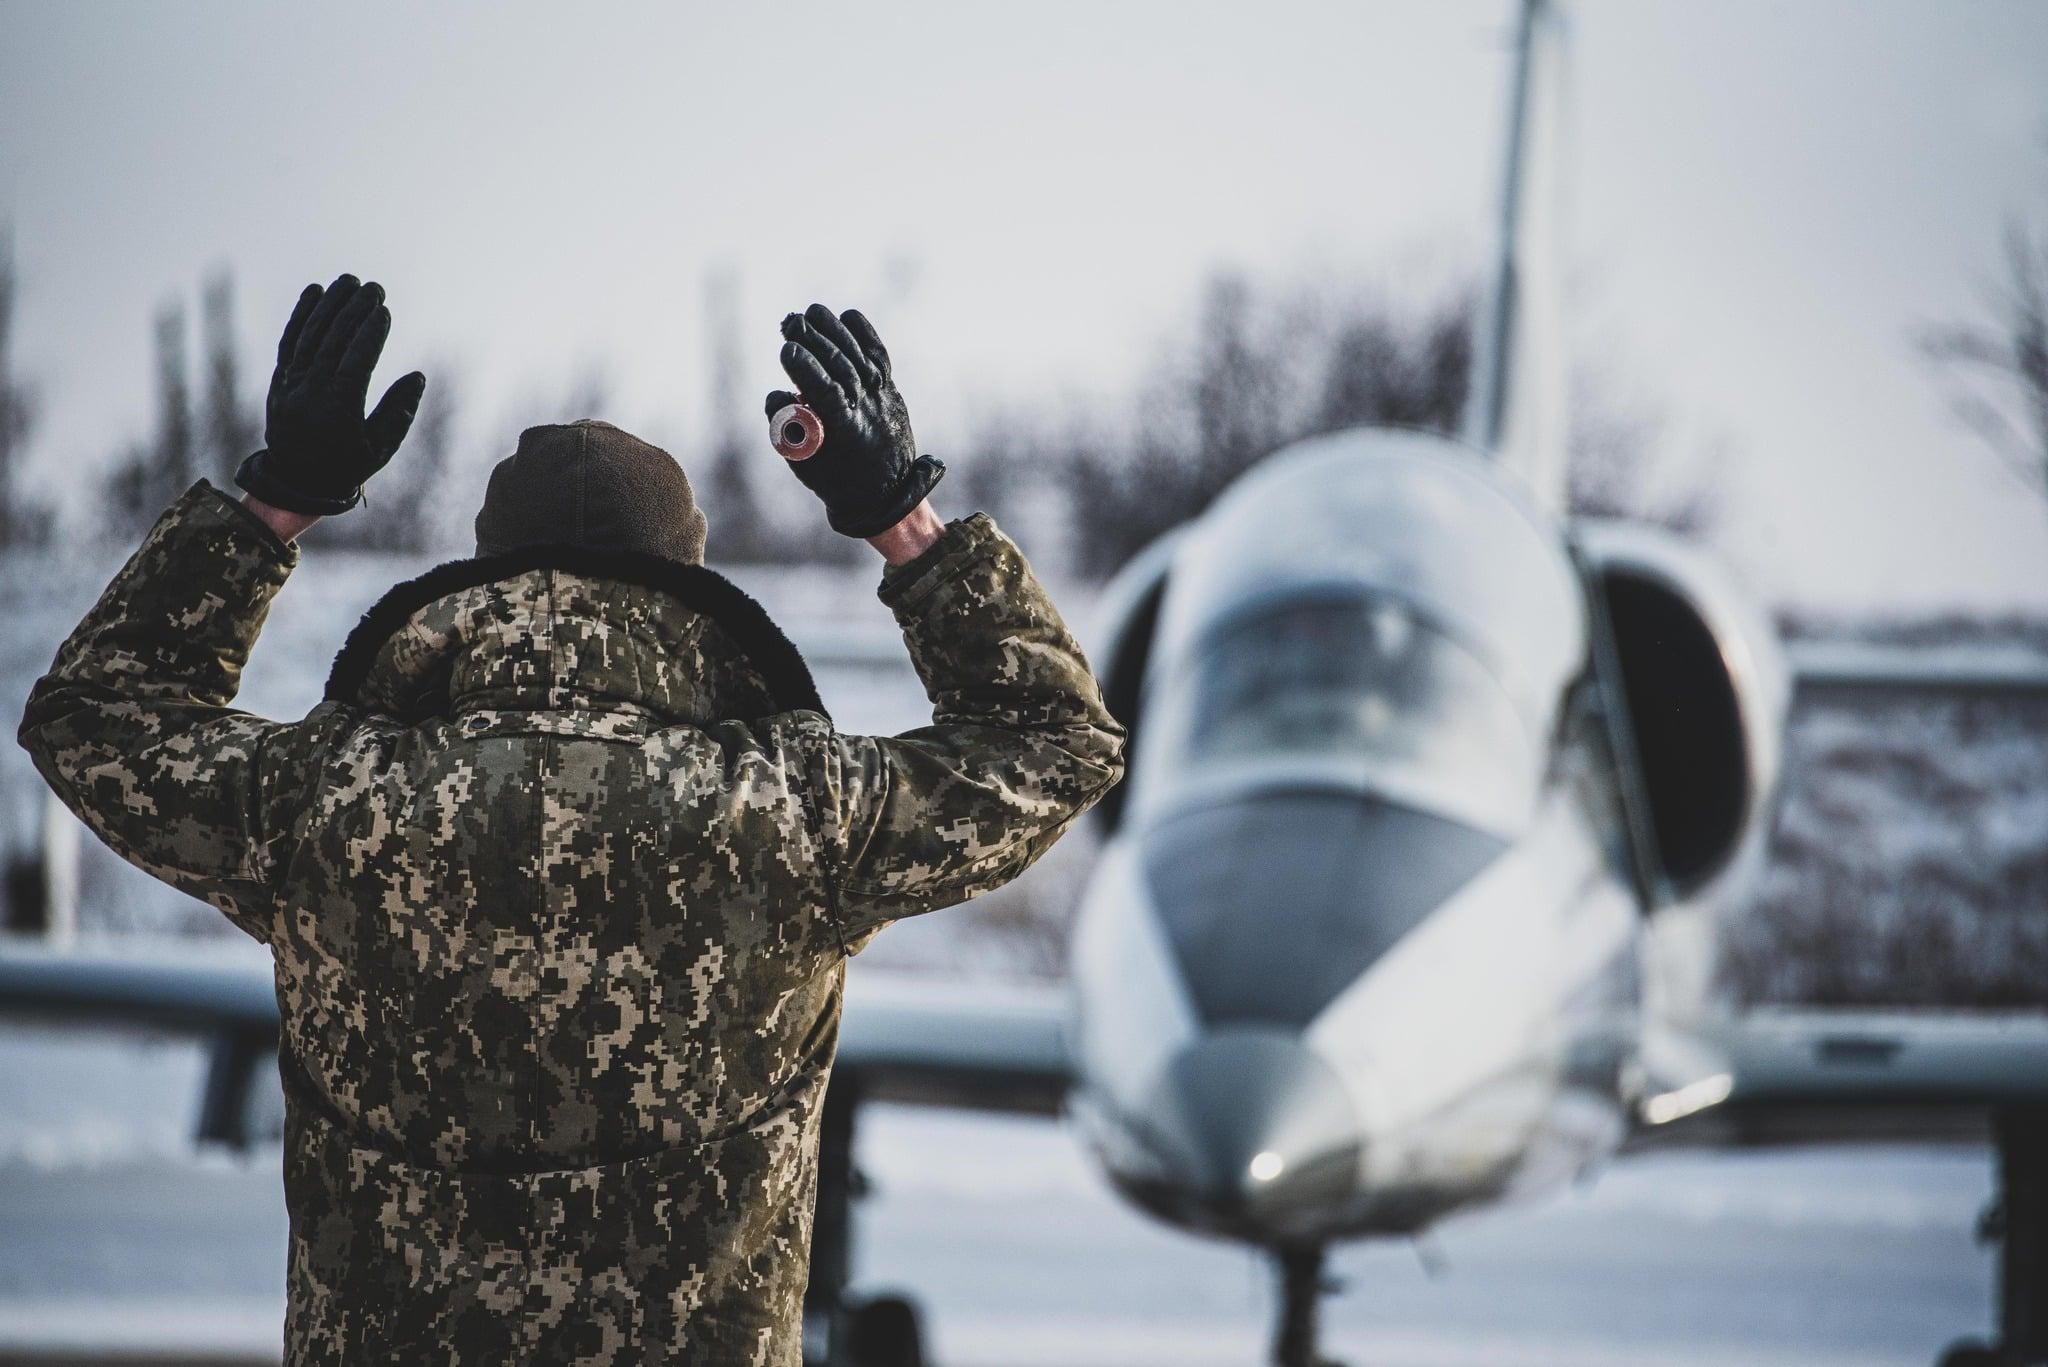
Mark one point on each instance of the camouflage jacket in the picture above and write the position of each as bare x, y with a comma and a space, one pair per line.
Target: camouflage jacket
560, 881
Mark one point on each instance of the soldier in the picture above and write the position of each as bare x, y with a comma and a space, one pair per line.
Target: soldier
562, 875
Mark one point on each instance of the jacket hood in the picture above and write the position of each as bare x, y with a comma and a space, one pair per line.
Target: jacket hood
568, 628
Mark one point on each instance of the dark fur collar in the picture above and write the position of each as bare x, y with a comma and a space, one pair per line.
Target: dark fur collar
702, 590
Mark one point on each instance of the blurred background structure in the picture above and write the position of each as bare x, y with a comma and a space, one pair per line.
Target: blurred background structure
1121, 254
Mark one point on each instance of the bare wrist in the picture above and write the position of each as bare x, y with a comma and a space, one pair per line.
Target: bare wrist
911, 537
287, 525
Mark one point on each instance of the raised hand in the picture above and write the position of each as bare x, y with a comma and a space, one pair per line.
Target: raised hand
868, 472
319, 446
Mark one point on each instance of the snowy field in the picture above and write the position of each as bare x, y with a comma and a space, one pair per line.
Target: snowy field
113, 1234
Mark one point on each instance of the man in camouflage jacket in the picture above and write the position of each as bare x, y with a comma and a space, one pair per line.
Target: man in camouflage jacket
562, 874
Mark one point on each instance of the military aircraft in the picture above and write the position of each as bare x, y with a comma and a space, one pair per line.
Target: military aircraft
1407, 904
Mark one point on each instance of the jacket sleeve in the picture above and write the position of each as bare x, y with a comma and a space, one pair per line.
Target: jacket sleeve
131, 725
1020, 743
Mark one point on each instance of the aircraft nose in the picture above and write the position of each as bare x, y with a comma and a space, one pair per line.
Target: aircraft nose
1258, 1124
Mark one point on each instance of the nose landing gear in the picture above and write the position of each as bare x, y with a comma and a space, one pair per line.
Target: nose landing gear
1302, 1288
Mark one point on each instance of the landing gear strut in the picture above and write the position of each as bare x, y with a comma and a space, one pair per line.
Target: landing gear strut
883, 1331
1302, 1288
2018, 1221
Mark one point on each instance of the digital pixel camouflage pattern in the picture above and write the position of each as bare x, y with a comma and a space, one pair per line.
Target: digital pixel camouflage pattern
560, 887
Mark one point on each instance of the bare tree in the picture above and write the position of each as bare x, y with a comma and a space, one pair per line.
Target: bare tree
1611, 472
748, 523
412, 511
985, 474
1263, 369
177, 460
225, 428
1386, 370
1234, 395
740, 531
21, 522
232, 427
1996, 367
153, 473
740, 528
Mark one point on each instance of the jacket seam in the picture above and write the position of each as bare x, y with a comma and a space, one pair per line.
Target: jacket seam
539, 868
295, 833
826, 873
855, 858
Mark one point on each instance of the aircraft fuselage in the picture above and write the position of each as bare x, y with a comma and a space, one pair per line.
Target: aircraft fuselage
1364, 948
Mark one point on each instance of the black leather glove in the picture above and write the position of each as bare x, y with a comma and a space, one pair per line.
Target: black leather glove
318, 445
868, 471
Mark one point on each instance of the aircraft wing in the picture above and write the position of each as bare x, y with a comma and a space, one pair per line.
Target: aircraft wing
943, 1042
190, 990
1824, 1076
1853, 667
902, 1037
225, 996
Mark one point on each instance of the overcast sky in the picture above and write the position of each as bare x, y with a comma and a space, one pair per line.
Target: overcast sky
1768, 199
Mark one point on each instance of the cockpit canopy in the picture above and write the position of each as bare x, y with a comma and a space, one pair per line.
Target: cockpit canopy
1362, 689
1377, 609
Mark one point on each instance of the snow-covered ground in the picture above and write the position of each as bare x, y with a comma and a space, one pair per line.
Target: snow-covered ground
1909, 864
113, 1233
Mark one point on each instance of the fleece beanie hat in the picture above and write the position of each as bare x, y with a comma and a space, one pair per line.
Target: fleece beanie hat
589, 484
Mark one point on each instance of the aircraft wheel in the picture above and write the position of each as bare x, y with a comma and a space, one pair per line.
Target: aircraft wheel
1972, 1354
885, 1332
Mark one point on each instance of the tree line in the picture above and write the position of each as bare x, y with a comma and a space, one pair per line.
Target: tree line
206, 423
1259, 367
23, 522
